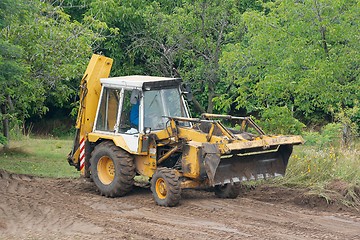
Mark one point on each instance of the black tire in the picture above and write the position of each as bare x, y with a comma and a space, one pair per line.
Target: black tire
228, 190
165, 186
121, 181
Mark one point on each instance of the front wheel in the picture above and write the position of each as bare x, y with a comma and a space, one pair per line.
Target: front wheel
112, 170
228, 190
165, 186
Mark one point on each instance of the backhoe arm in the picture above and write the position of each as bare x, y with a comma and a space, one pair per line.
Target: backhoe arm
90, 89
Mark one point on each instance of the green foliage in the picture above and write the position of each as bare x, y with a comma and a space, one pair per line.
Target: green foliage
3, 139
317, 169
204, 29
349, 117
240, 57
311, 138
330, 136
19, 92
42, 57
312, 166
125, 20
279, 120
300, 54
56, 48
62, 131
332, 133
176, 38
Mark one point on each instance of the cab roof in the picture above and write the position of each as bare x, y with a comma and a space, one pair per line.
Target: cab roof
140, 81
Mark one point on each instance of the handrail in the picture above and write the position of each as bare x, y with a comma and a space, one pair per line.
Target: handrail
208, 118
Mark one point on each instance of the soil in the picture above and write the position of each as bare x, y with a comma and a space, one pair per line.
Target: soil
42, 208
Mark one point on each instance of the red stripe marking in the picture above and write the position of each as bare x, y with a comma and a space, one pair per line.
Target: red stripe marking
82, 166
82, 148
82, 154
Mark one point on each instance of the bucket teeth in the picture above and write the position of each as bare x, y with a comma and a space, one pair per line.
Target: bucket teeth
244, 178
237, 169
236, 179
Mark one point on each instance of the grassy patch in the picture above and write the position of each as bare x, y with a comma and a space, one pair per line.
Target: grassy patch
40, 157
310, 165
330, 173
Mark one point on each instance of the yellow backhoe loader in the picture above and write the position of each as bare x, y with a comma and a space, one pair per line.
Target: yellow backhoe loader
140, 125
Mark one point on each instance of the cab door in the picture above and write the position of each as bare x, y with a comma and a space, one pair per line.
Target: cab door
118, 115
130, 121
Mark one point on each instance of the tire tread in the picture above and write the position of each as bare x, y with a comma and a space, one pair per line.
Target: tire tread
124, 183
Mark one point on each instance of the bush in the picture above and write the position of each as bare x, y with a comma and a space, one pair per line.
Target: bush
350, 120
317, 168
330, 135
312, 138
280, 120
3, 139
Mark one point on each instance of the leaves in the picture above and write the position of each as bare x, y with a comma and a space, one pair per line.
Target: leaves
240, 57
299, 54
42, 53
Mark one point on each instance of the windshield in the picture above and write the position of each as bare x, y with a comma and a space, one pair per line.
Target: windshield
161, 103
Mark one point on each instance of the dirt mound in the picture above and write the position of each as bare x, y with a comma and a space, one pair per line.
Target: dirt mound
11, 176
333, 199
344, 191
41, 208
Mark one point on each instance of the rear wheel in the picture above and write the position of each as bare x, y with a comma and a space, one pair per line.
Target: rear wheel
228, 190
112, 169
165, 186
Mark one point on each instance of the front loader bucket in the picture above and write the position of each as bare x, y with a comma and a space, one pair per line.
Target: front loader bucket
237, 167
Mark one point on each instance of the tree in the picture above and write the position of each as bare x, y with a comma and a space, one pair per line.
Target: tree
43, 51
188, 42
299, 54
124, 18
173, 38
12, 69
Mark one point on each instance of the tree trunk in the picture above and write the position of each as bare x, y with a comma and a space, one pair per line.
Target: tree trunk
198, 106
211, 95
322, 29
5, 123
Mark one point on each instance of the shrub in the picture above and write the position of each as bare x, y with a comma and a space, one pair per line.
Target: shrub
3, 139
312, 138
280, 120
331, 134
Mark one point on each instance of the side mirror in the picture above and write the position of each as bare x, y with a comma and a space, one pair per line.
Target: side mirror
147, 130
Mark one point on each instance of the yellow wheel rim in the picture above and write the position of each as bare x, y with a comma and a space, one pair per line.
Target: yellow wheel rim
161, 188
106, 170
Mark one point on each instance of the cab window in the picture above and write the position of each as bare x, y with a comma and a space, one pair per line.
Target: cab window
129, 119
108, 110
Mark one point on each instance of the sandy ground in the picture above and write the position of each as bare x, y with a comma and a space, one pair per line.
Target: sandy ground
41, 208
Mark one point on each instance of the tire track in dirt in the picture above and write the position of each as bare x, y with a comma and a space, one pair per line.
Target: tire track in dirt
208, 216
30, 206
40, 208
281, 219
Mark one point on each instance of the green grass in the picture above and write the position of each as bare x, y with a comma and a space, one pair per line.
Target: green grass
310, 165
328, 172
39, 157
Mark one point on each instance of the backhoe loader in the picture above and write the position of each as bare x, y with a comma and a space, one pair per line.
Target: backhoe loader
140, 126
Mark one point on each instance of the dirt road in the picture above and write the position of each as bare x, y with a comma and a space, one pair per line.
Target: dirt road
40, 208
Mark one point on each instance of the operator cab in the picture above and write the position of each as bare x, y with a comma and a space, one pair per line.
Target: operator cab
133, 104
